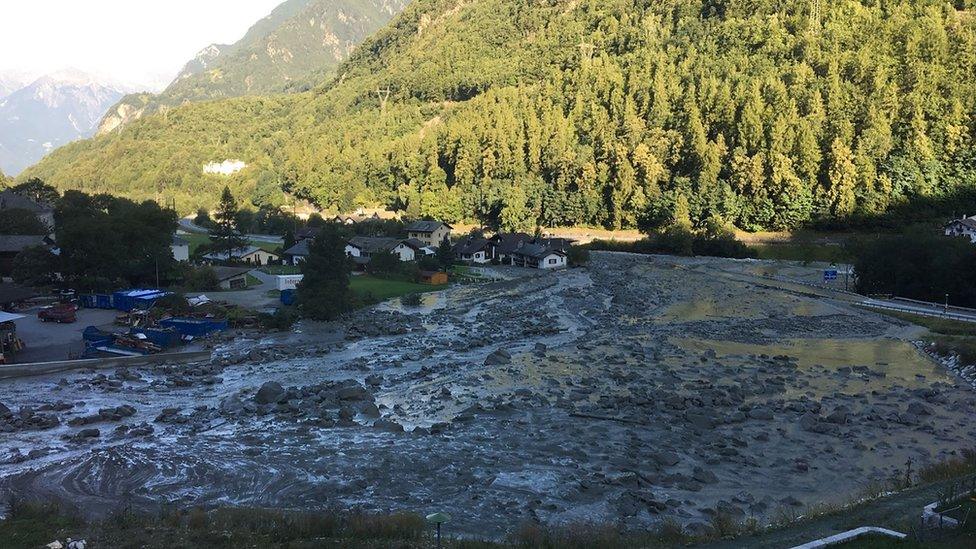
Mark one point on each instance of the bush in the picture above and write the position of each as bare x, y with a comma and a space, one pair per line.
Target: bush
578, 256
200, 279
411, 300
679, 240
35, 266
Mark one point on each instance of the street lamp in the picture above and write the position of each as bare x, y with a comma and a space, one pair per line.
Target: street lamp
438, 519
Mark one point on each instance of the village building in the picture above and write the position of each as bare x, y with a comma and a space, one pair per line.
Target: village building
431, 233
251, 255
434, 278
10, 200
354, 219
965, 226
364, 247
297, 253
474, 249
180, 249
538, 256
506, 244
232, 278
12, 245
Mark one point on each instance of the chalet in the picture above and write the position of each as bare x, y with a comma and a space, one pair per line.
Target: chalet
419, 248
364, 247
232, 278
354, 219
180, 249
431, 233
12, 245
297, 253
506, 244
474, 249
251, 255
539, 256
10, 200
307, 233
965, 226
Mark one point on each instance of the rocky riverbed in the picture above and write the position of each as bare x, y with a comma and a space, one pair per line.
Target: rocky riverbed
635, 389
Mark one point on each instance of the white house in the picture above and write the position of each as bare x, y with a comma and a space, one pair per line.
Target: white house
474, 250
965, 226
538, 256
180, 249
252, 255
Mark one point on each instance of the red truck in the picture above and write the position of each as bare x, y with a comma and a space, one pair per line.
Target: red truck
62, 314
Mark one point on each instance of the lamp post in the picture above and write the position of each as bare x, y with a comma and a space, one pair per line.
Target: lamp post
946, 309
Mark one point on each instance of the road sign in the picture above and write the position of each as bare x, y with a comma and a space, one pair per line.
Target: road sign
830, 274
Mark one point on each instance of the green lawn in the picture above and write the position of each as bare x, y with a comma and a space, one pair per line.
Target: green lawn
382, 289
282, 269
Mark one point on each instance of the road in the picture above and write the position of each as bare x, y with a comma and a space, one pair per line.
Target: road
189, 226
921, 308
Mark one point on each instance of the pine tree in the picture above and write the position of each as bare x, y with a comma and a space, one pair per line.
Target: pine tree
224, 234
323, 293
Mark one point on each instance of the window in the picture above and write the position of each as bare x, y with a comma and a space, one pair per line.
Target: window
552, 261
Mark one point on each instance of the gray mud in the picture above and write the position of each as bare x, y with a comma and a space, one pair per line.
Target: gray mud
636, 389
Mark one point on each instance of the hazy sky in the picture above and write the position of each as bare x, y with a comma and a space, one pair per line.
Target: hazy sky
131, 40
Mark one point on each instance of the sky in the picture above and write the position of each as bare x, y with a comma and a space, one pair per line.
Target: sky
133, 41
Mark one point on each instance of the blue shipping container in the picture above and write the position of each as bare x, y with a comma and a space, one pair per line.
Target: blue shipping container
164, 338
288, 297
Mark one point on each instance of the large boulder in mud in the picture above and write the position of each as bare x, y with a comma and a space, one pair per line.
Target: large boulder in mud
354, 392
270, 393
4, 411
498, 358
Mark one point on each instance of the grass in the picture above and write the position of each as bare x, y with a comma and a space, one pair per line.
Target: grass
806, 252
949, 336
282, 269
380, 289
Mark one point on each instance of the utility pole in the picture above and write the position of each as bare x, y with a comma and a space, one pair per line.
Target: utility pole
383, 95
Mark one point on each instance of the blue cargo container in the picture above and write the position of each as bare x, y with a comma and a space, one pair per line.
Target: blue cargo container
288, 297
87, 301
165, 338
194, 327
136, 299
103, 301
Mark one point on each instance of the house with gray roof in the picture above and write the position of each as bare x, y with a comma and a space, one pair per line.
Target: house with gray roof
431, 233
362, 248
10, 200
966, 226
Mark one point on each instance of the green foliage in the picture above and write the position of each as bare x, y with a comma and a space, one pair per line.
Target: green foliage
445, 254
200, 279
21, 222
106, 240
323, 293
224, 234
578, 256
611, 113
37, 190
35, 266
917, 264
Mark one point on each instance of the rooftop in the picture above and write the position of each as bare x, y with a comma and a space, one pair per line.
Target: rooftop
426, 226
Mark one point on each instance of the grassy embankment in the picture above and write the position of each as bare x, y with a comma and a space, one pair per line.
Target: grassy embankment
949, 336
197, 239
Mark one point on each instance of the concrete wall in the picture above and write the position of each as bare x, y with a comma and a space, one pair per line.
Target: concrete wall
45, 368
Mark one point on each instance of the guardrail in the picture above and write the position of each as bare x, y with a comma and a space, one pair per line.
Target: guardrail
920, 312
12, 371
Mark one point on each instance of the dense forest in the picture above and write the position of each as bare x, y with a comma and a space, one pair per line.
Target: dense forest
617, 113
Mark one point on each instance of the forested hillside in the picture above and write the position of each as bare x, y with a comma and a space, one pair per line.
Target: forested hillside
602, 112
296, 46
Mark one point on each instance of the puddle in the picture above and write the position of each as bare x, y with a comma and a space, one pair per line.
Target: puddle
899, 361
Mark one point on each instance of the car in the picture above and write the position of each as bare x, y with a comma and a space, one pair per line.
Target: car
61, 313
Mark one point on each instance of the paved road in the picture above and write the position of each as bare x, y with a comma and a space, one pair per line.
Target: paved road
920, 308
188, 225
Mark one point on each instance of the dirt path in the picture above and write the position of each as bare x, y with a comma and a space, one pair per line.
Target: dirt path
899, 512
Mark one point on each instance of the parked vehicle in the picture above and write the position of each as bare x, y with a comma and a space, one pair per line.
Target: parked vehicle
62, 314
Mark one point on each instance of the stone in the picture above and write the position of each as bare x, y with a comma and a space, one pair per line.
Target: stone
760, 414
269, 393
354, 392
388, 425
4, 411
89, 433
231, 405
704, 476
665, 458
498, 358
919, 409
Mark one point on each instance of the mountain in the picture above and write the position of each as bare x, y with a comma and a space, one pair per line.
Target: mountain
51, 111
298, 44
11, 81
585, 112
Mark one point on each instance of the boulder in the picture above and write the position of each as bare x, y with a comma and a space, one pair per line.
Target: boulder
231, 405
269, 393
354, 392
388, 425
89, 433
915, 408
665, 458
498, 358
4, 411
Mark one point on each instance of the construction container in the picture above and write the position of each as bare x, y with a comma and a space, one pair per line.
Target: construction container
193, 326
288, 297
165, 338
136, 299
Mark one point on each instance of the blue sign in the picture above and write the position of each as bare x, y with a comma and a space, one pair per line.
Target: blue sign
830, 274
